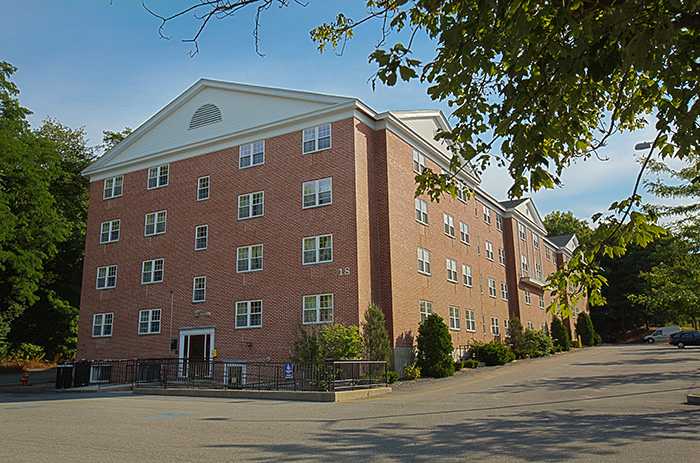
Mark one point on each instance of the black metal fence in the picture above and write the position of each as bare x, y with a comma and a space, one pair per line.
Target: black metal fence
332, 375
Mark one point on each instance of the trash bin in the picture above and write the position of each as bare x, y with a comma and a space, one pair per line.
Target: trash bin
64, 376
82, 374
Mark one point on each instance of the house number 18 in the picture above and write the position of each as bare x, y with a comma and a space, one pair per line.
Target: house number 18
344, 271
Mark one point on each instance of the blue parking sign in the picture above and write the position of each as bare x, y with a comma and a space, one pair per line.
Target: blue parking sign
288, 371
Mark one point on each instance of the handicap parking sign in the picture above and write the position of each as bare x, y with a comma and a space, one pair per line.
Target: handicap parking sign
287, 371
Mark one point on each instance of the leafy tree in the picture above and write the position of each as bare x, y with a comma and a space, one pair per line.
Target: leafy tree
560, 335
374, 335
111, 139
563, 223
333, 341
584, 328
516, 334
434, 353
30, 225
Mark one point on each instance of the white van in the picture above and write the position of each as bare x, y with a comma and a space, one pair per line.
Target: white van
662, 334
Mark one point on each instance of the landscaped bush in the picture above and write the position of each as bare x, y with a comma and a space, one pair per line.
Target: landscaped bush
375, 337
584, 328
434, 348
458, 365
471, 363
515, 336
411, 371
560, 335
392, 376
333, 341
492, 353
539, 343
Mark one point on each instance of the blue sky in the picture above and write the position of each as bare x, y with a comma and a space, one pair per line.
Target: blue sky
103, 66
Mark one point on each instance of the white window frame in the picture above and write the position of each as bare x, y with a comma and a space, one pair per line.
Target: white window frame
255, 200
455, 320
464, 233
461, 190
530, 326
104, 322
467, 279
316, 193
201, 237
451, 270
538, 270
203, 184
313, 255
314, 135
157, 268
158, 223
251, 310
502, 256
499, 223
487, 214
504, 291
528, 298
421, 211
105, 275
492, 288
506, 325
152, 320
489, 250
199, 289
541, 301
317, 309
248, 154
470, 320
418, 162
113, 187
423, 261
249, 258
425, 308
547, 253
449, 225
158, 177
535, 241
524, 266
111, 232
522, 234
495, 328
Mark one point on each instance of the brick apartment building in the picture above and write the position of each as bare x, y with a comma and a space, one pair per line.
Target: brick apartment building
238, 213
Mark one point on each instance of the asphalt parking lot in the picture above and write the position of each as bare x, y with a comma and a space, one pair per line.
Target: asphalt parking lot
606, 404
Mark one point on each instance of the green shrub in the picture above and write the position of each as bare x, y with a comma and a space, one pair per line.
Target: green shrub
333, 341
598, 339
471, 363
458, 365
27, 351
375, 337
538, 342
434, 348
411, 371
492, 353
515, 336
560, 335
392, 376
584, 328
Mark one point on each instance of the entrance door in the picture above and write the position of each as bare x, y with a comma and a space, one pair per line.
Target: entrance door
195, 351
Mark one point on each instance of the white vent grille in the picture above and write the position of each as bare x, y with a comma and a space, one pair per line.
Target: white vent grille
206, 114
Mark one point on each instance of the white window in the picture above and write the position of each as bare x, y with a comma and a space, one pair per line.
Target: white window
495, 329
547, 253
489, 250
506, 325
538, 270
102, 324
521, 231
155, 223
110, 231
481, 283
199, 289
426, 308
318, 249
464, 232
251, 205
451, 271
527, 296
467, 275
523, 264
152, 271
504, 291
201, 236
530, 326
317, 193
251, 155
541, 301
113, 187
454, 318
421, 211
249, 314
461, 190
158, 176
317, 139
502, 256
318, 308
449, 225
499, 223
250, 258
492, 287
107, 277
478, 246
149, 321
535, 241
423, 261
418, 162
470, 320
202, 188
487, 214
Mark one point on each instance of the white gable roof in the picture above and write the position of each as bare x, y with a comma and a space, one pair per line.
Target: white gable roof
244, 109
525, 207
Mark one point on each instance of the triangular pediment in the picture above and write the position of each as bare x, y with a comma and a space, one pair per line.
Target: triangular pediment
209, 112
526, 208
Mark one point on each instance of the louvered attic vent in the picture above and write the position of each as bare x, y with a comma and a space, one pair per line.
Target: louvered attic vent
206, 114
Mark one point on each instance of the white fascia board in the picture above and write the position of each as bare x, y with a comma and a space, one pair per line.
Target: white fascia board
516, 214
293, 124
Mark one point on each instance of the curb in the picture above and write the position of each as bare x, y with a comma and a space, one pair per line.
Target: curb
306, 396
694, 399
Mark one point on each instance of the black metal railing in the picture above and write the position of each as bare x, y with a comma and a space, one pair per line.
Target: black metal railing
332, 375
